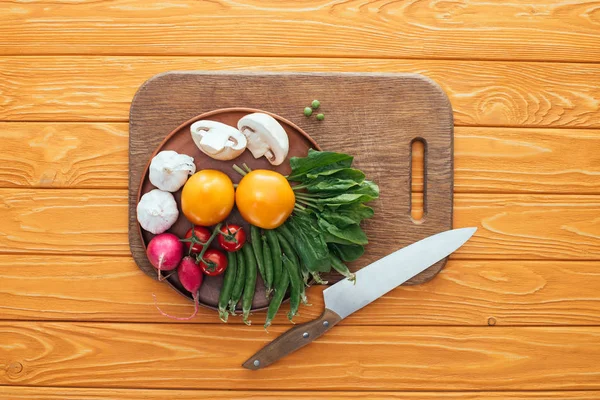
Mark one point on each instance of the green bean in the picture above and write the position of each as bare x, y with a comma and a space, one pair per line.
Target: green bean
305, 274
285, 231
240, 279
275, 256
291, 254
227, 287
296, 284
317, 277
277, 299
255, 237
250, 285
268, 264
342, 268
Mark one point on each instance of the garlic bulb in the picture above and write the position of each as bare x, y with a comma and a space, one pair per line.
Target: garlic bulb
169, 170
157, 211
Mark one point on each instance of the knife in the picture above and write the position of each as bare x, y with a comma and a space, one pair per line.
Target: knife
372, 282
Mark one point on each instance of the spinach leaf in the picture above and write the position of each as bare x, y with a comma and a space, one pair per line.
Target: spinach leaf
347, 214
310, 243
351, 233
342, 173
347, 252
318, 161
330, 185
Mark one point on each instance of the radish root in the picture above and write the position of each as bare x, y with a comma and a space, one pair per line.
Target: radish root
195, 297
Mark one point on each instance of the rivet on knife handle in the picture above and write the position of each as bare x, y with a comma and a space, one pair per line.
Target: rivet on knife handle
292, 340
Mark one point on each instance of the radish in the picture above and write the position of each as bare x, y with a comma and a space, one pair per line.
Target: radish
164, 252
191, 277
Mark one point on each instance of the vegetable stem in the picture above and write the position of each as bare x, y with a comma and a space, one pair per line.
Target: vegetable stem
304, 196
239, 170
215, 232
298, 187
298, 207
246, 167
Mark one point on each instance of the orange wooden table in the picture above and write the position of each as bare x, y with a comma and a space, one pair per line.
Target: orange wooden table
516, 312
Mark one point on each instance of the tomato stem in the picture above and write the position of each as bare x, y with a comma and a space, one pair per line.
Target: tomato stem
240, 171
215, 232
192, 240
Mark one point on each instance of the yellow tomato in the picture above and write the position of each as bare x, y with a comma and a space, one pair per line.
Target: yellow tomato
265, 198
207, 197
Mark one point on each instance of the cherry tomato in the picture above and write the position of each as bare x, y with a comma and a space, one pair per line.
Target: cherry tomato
207, 197
214, 262
265, 198
201, 233
232, 237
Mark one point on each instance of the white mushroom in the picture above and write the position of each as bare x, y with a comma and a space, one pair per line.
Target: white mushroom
157, 211
266, 137
217, 140
169, 170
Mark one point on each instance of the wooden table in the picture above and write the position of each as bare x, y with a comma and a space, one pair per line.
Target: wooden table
516, 312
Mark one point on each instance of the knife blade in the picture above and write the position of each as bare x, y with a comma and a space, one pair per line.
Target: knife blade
372, 282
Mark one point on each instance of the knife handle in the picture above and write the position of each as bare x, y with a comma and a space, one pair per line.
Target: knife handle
290, 341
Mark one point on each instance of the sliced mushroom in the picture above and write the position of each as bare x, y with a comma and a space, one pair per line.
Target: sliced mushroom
217, 140
266, 137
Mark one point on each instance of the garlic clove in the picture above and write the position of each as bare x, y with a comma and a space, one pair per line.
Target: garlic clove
170, 170
157, 211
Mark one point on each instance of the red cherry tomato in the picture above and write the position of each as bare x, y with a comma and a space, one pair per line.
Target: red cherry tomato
201, 233
214, 262
232, 237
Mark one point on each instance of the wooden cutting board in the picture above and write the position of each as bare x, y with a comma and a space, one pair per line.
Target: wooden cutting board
374, 117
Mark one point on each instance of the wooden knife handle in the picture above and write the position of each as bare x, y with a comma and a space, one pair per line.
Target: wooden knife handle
290, 341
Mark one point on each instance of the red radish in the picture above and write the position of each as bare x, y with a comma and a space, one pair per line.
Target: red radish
191, 277
164, 252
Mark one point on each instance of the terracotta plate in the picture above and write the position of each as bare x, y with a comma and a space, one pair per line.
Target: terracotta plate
180, 140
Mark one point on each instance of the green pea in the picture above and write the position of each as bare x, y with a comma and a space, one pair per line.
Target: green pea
240, 280
315, 104
275, 255
227, 288
268, 266
277, 298
320, 117
250, 284
296, 283
307, 112
256, 243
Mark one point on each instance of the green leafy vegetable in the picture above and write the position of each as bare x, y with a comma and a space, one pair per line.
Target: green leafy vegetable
325, 226
347, 215
347, 252
310, 243
317, 161
351, 233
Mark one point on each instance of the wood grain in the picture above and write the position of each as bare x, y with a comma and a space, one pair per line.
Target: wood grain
62, 393
113, 289
199, 356
526, 30
511, 226
487, 160
63, 155
394, 108
482, 93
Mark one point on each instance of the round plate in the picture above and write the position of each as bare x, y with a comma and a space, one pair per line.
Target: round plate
180, 140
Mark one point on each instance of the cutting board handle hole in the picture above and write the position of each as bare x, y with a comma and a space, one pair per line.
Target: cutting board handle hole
418, 176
